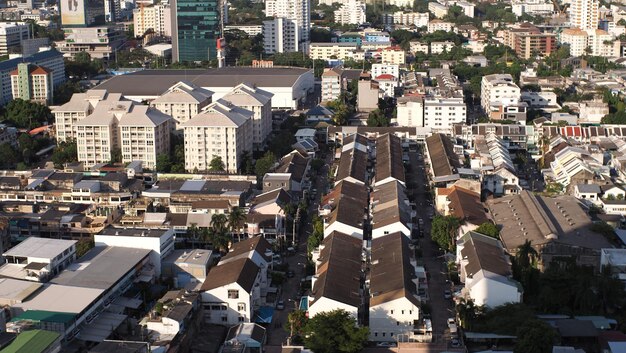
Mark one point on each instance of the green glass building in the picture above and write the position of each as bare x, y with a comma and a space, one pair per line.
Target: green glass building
195, 29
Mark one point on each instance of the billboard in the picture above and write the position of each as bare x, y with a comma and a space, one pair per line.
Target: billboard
72, 12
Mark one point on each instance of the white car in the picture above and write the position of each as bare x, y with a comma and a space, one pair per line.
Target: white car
451, 321
385, 344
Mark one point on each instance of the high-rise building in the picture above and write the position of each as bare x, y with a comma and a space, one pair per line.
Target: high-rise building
81, 13
195, 29
351, 12
298, 11
32, 83
280, 35
157, 17
584, 14
11, 37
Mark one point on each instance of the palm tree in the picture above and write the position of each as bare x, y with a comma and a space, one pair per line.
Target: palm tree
219, 222
526, 255
219, 239
193, 233
236, 219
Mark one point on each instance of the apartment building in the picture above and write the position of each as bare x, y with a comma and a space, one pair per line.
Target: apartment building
498, 90
79, 107
439, 25
584, 14
221, 129
281, 35
437, 9
140, 132
326, 51
393, 56
38, 259
259, 102
32, 83
440, 47
251, 30
351, 12
442, 113
577, 40
299, 12
410, 111
603, 44
532, 7
182, 101
382, 69
11, 36
156, 18
332, 83
419, 19
99, 42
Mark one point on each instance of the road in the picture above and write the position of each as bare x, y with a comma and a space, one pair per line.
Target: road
297, 263
441, 309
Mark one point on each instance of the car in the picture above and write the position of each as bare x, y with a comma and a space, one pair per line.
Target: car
280, 305
385, 344
447, 294
290, 274
454, 342
451, 321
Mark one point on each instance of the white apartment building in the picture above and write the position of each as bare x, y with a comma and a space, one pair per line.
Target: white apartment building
11, 36
387, 84
51, 255
79, 107
299, 11
440, 47
327, 51
532, 7
603, 44
441, 113
156, 17
182, 101
401, 3
332, 83
437, 9
419, 19
251, 30
584, 14
258, 102
577, 40
281, 35
351, 12
382, 69
416, 46
140, 132
221, 129
439, 25
410, 111
468, 8
498, 90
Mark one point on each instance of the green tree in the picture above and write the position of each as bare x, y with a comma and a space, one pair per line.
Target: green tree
216, 164
334, 332
65, 152
489, 229
377, 118
443, 231
317, 234
163, 163
236, 219
526, 255
246, 166
296, 320
26, 114
535, 336
8, 156
83, 246
264, 165
116, 155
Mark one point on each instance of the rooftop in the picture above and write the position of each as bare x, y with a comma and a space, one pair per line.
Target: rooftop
35, 341
60, 298
44, 248
242, 271
133, 232
189, 256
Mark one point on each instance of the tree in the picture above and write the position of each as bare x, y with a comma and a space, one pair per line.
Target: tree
116, 155
83, 246
236, 219
526, 255
264, 165
8, 156
443, 231
295, 323
535, 336
317, 164
163, 163
377, 118
246, 166
65, 152
219, 221
334, 332
26, 114
488, 229
216, 165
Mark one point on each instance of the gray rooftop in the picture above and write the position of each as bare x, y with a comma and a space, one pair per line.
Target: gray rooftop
133, 232
155, 82
40, 247
101, 267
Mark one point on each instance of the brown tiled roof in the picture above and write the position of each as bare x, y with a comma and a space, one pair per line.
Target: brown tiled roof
484, 253
280, 196
352, 163
466, 205
294, 163
242, 271
345, 189
443, 160
258, 244
339, 273
391, 273
389, 206
349, 211
389, 158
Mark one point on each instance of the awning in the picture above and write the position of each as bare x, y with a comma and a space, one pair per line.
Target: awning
264, 315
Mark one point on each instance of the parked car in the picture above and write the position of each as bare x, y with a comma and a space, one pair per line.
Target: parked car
447, 294
290, 274
385, 344
451, 321
454, 342
280, 305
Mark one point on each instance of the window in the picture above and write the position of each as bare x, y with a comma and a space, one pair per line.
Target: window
241, 319
397, 323
241, 306
391, 312
224, 318
375, 334
384, 334
233, 294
